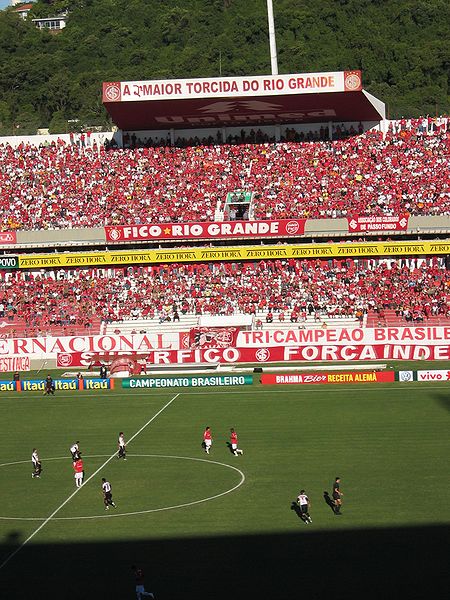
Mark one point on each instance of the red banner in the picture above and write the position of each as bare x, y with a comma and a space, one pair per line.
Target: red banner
267, 355
325, 378
8, 237
202, 231
398, 223
213, 337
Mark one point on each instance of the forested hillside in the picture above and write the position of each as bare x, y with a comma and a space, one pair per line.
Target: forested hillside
47, 79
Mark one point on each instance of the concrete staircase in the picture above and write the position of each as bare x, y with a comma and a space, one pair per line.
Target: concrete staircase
132, 326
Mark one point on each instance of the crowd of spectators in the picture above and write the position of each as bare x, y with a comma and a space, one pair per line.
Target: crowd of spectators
245, 136
69, 186
288, 290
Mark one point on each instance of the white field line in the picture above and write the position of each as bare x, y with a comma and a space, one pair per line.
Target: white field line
50, 517
280, 389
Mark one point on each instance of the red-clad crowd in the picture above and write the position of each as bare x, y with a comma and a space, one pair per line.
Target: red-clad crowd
288, 290
70, 186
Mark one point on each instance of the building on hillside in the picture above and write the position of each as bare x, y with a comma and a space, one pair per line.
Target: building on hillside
52, 23
55, 23
23, 9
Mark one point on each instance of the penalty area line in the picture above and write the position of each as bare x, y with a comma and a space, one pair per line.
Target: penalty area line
56, 511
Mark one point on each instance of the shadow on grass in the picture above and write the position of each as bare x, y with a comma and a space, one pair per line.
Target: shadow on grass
376, 563
443, 400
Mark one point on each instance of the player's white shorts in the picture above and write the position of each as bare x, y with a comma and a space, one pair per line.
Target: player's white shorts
78, 475
234, 446
208, 443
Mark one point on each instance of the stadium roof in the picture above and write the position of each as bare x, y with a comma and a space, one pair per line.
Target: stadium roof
239, 101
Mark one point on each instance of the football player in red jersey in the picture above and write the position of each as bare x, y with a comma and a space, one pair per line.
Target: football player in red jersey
234, 443
207, 440
78, 467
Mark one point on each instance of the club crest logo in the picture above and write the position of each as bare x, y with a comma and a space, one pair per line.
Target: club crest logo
112, 92
114, 234
352, 81
65, 359
262, 355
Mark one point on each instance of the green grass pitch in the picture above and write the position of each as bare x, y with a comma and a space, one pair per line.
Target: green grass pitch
221, 526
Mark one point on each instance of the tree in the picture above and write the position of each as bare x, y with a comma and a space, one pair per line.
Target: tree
59, 123
5, 118
27, 121
401, 47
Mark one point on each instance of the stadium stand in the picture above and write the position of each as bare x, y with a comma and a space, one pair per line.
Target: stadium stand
293, 293
69, 186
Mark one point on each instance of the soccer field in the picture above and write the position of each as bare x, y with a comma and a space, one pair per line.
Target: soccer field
218, 525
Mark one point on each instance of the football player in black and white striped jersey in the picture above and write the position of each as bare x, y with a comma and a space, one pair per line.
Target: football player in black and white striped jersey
75, 451
121, 443
107, 494
305, 505
36, 461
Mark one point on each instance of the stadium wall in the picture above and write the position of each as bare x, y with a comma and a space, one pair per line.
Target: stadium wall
313, 228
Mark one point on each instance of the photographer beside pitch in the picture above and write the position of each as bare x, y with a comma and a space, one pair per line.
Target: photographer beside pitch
49, 386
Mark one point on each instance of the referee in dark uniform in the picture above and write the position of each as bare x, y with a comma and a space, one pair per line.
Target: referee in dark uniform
337, 496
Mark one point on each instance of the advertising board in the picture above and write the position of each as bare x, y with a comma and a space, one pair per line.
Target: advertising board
381, 223
236, 253
433, 375
197, 381
38, 385
327, 378
205, 231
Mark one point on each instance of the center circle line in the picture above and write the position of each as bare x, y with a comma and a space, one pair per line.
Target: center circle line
139, 512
